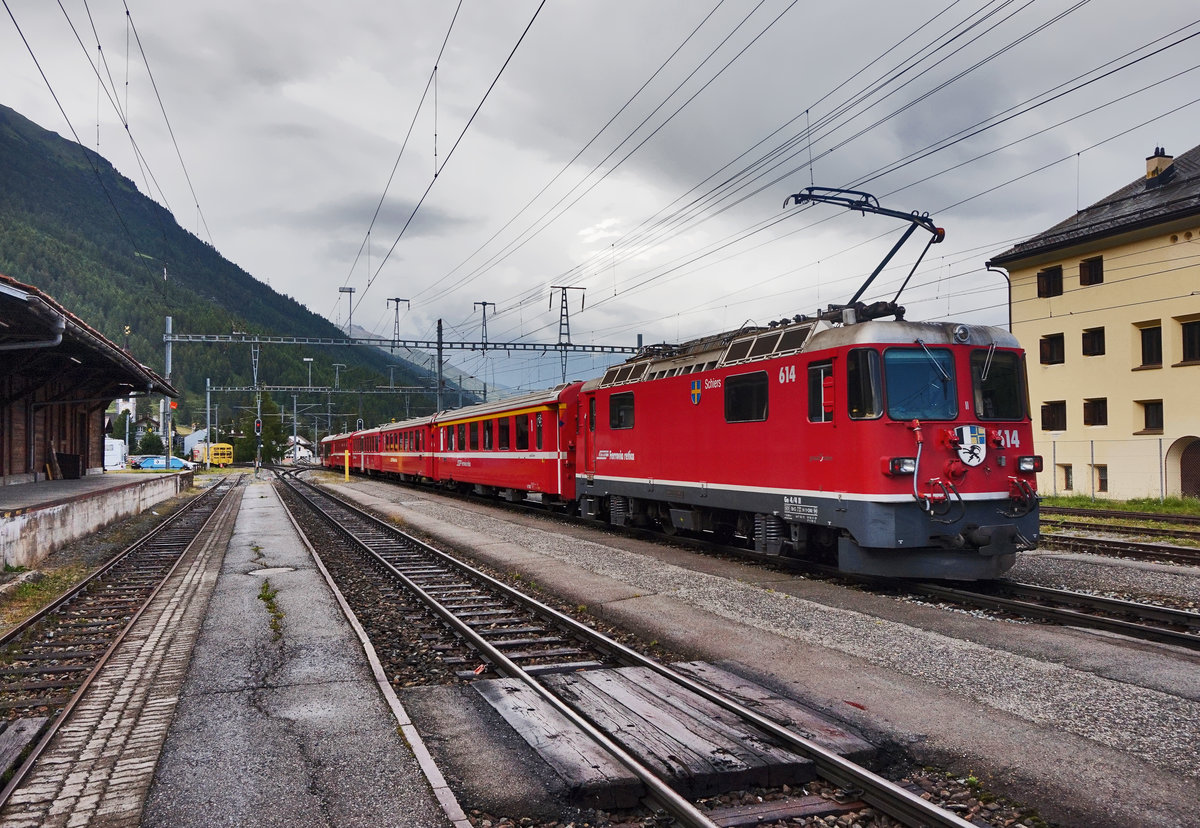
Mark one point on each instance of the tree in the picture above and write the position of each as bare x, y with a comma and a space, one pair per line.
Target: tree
151, 443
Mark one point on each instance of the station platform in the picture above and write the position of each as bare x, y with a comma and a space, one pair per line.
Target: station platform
38, 518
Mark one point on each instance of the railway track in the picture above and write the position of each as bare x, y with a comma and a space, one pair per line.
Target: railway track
1077, 609
48, 661
512, 635
1121, 548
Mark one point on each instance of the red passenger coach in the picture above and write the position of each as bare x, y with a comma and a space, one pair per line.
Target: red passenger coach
514, 447
891, 447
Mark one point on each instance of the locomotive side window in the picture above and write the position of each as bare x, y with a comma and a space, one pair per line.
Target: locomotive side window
818, 373
522, 424
746, 398
591, 414
999, 391
537, 432
620, 410
920, 383
864, 385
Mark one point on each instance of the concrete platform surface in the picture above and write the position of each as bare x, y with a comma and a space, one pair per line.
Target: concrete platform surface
284, 726
38, 518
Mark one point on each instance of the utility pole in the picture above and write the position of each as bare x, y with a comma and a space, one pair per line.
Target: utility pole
396, 329
440, 381
257, 409
350, 317
564, 322
485, 307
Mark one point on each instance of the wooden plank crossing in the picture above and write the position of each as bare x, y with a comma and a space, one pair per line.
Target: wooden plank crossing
593, 777
17, 735
699, 748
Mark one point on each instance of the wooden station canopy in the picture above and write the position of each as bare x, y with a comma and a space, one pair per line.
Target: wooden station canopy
57, 376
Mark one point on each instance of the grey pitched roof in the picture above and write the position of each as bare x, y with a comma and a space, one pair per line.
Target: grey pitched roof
1173, 194
40, 337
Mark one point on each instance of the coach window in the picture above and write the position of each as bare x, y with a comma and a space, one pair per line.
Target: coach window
502, 434
864, 384
920, 383
818, 372
996, 378
537, 431
488, 427
522, 424
462, 436
473, 429
620, 410
746, 398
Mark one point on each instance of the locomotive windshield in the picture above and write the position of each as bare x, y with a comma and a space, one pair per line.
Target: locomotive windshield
999, 392
920, 383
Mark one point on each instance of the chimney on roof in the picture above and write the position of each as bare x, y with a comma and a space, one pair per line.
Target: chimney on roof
1157, 163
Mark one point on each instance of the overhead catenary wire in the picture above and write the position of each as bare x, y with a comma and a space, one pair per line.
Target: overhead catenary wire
453, 147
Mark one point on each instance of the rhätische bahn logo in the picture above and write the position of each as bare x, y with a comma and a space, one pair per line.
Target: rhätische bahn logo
972, 444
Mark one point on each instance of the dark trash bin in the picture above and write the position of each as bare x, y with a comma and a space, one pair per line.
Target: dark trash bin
70, 465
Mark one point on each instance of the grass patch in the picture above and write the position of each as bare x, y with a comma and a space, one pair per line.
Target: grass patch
267, 595
1169, 506
32, 595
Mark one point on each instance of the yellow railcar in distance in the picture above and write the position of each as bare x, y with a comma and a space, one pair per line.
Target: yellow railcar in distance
218, 454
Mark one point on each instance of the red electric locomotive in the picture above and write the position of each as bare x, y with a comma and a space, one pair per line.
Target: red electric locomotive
893, 448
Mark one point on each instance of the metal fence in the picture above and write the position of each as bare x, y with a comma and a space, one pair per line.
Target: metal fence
1123, 469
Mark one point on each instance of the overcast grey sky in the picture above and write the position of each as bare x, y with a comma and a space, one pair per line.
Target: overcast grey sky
609, 153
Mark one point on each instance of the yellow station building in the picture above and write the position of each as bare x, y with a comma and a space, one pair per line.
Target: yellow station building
1107, 306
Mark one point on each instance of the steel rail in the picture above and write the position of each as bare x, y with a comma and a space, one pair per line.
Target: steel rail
1132, 549
1118, 528
1068, 617
61, 717
895, 801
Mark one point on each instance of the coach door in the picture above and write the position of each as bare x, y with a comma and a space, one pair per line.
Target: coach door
589, 436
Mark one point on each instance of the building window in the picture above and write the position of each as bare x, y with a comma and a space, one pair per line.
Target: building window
1152, 346
1091, 271
1101, 478
1054, 416
1152, 416
1191, 341
1049, 282
1095, 412
1053, 351
1068, 476
1093, 342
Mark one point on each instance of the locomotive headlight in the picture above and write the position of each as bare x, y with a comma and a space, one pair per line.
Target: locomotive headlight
1031, 463
900, 465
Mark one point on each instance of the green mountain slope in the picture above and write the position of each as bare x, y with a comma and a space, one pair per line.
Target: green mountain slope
73, 226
